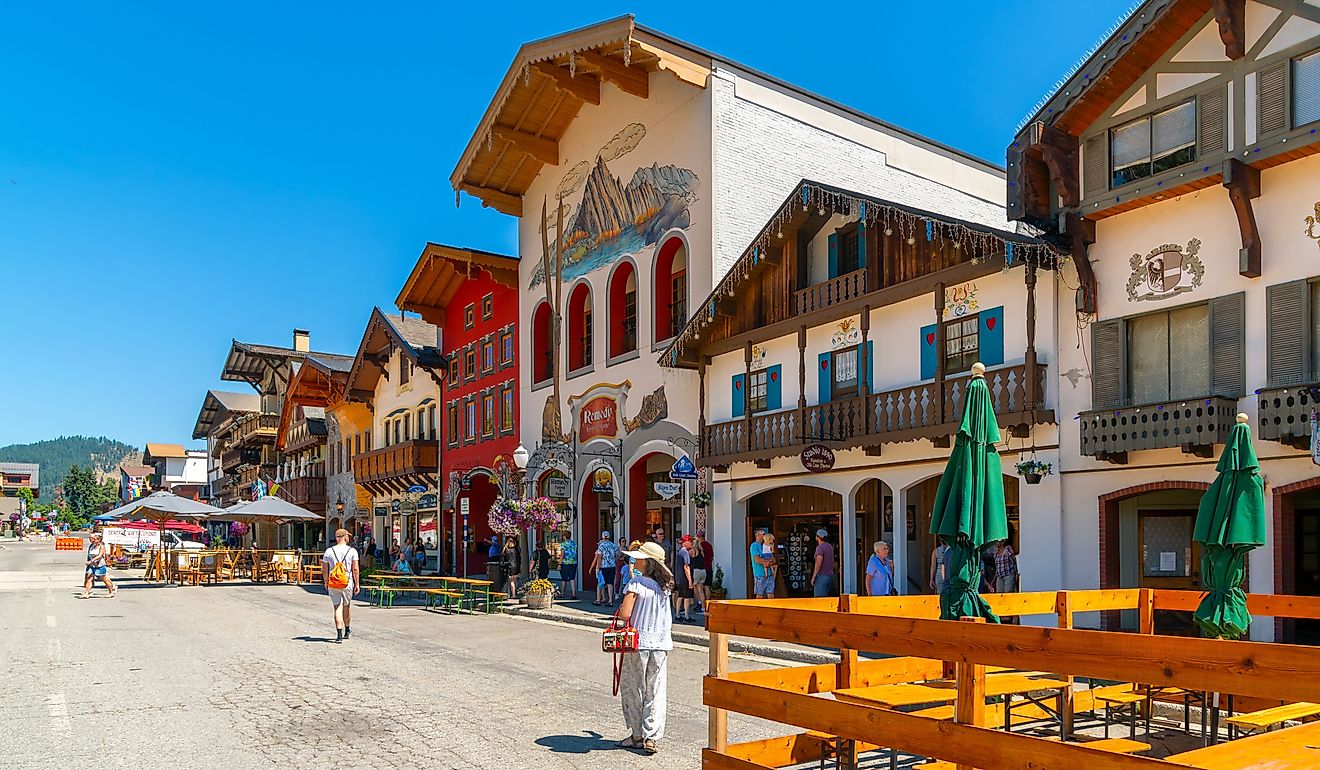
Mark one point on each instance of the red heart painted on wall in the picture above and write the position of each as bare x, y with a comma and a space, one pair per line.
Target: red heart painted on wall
825, 364
990, 323
737, 385
774, 376
930, 338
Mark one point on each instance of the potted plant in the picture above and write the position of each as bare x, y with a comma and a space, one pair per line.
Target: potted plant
1034, 470
717, 589
540, 594
701, 499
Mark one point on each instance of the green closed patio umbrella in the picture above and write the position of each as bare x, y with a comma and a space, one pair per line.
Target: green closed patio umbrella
969, 505
1230, 521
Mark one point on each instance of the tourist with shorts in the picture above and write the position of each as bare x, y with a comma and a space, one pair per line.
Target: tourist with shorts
683, 580
822, 573
607, 554
763, 582
96, 567
340, 575
771, 558
568, 565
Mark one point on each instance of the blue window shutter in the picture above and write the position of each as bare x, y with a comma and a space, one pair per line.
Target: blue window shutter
773, 393
928, 352
826, 378
739, 394
992, 336
834, 254
870, 363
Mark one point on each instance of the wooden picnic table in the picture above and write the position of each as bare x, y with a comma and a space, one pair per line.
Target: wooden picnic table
468, 587
1296, 748
937, 691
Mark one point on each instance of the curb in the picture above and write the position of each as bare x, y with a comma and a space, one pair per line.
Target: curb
684, 637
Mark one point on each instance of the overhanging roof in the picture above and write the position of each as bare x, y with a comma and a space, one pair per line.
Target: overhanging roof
161, 451
250, 363
415, 338
220, 403
441, 270
319, 383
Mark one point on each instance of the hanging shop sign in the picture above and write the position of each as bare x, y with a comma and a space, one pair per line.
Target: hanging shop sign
818, 458
668, 490
407, 507
394, 506
684, 469
599, 418
602, 480
427, 501
381, 510
416, 489
557, 488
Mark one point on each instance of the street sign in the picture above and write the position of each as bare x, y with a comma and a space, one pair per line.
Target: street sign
407, 507
558, 488
818, 458
1315, 440
416, 489
464, 505
668, 490
683, 470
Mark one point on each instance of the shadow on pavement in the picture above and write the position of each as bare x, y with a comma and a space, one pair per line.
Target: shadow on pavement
576, 744
313, 639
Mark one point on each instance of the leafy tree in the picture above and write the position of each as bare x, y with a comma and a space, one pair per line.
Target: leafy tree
26, 499
83, 497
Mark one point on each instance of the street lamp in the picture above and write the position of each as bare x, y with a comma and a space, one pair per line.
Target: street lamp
339, 506
520, 457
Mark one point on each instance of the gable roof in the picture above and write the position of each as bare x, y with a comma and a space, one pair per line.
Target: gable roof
33, 471
136, 471
218, 404
415, 338
161, 451
249, 362
320, 382
441, 270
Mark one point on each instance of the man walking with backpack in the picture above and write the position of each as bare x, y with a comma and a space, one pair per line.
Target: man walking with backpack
340, 571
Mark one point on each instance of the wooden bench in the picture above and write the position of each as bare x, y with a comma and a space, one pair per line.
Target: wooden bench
383, 596
1111, 745
447, 599
1267, 719
1123, 699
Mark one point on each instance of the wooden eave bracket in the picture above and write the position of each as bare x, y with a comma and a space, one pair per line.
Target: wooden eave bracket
1080, 233
1243, 183
1061, 152
584, 87
1232, 18
539, 147
628, 79
505, 203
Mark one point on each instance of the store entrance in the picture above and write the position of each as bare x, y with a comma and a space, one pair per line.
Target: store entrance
793, 515
1169, 559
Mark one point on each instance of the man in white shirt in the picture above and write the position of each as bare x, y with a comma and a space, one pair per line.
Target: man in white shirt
341, 598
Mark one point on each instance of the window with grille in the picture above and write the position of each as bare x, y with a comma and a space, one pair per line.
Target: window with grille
455, 430
1306, 89
758, 391
1153, 144
488, 415
506, 410
1169, 355
844, 365
962, 343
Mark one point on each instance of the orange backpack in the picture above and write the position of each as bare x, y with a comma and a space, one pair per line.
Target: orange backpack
338, 577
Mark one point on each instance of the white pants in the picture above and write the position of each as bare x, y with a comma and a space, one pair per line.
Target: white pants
642, 688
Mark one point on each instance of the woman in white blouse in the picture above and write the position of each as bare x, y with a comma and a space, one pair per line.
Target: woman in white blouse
642, 683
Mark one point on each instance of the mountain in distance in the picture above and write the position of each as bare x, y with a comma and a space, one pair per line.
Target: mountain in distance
607, 207
56, 455
669, 180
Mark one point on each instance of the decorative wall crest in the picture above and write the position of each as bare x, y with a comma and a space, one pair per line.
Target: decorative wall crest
846, 334
1165, 272
1313, 224
960, 300
758, 357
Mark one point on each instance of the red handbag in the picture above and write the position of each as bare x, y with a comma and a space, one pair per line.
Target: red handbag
618, 638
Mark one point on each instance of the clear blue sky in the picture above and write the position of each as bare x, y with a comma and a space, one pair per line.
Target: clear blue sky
176, 175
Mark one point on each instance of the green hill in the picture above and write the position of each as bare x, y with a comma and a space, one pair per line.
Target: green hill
56, 455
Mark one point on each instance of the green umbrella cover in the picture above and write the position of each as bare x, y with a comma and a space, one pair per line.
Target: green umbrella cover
1230, 521
969, 504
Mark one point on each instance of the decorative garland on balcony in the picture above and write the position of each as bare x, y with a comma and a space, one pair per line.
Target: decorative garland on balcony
981, 242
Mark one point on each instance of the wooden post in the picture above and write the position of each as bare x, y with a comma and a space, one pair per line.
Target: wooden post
718, 719
802, 383
1033, 398
970, 706
1063, 610
747, 402
701, 402
1146, 610
939, 352
848, 675
864, 371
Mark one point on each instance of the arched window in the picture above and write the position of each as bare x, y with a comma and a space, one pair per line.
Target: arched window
670, 300
542, 355
579, 327
623, 310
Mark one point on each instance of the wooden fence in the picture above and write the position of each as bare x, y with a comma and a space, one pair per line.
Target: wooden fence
926, 648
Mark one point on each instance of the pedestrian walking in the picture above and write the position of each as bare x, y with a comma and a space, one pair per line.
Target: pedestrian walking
340, 575
568, 565
607, 554
822, 573
541, 556
771, 559
880, 571
619, 572
683, 580
697, 563
510, 566
763, 584
96, 567
643, 680
1006, 568
939, 569
369, 548
419, 557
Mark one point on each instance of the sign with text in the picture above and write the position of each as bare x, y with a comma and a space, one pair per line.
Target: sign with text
602, 480
464, 505
427, 501
407, 507
598, 418
1315, 441
684, 469
131, 538
416, 489
668, 490
818, 458
558, 488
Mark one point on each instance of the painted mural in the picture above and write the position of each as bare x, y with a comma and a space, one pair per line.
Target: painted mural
1165, 272
612, 216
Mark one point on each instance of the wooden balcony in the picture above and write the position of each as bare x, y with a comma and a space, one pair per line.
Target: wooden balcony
1285, 414
1194, 425
307, 491
396, 467
256, 429
922, 411
241, 456
301, 436
845, 287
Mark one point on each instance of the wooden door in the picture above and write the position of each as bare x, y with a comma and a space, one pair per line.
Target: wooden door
1169, 559
1307, 566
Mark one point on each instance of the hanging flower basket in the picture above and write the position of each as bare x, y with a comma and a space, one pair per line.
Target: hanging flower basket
701, 499
1033, 470
504, 516
539, 513
238, 529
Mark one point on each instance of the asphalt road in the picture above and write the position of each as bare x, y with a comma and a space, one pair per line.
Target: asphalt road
242, 676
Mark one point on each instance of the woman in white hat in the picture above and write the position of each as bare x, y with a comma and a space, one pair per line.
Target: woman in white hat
642, 684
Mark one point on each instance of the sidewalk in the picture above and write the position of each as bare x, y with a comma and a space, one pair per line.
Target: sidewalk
580, 612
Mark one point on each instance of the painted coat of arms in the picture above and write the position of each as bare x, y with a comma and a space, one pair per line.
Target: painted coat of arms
1165, 272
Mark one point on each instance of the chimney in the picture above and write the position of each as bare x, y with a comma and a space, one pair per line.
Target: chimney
302, 340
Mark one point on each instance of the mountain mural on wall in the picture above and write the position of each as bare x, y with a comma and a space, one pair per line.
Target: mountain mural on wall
613, 218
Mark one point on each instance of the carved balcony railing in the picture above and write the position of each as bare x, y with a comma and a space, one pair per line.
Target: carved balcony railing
928, 411
832, 292
396, 467
300, 435
1194, 425
260, 428
307, 491
1285, 414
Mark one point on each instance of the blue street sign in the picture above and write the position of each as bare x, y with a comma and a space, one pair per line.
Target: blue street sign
683, 469
416, 489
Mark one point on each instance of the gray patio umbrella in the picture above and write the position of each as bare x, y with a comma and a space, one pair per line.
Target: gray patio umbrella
161, 507
267, 508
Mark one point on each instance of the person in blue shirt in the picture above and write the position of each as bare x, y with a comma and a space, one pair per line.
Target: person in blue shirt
763, 583
880, 571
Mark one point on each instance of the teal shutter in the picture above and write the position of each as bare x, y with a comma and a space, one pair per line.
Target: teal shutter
870, 363
826, 379
773, 393
739, 394
992, 336
928, 352
834, 255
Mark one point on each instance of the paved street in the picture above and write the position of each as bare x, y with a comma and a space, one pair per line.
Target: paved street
243, 676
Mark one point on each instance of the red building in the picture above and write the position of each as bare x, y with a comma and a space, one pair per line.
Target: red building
473, 297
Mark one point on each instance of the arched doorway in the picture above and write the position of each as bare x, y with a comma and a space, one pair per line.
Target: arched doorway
479, 490
793, 514
919, 543
596, 512
648, 509
1297, 554
873, 506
